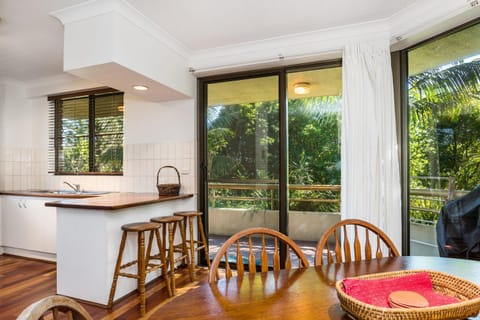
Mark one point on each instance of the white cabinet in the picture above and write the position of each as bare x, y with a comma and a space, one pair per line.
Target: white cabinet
1, 240
28, 228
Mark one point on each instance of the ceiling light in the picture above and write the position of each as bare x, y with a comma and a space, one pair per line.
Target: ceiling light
140, 87
301, 88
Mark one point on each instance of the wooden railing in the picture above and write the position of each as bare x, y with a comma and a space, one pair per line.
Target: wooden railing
430, 200
271, 192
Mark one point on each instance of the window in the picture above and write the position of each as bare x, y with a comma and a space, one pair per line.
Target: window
271, 153
443, 129
86, 133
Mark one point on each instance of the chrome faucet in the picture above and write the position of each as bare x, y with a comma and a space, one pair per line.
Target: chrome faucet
75, 187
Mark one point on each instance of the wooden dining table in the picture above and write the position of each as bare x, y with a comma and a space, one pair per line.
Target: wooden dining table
297, 294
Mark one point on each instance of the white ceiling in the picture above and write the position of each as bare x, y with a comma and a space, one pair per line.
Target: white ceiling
218, 23
31, 41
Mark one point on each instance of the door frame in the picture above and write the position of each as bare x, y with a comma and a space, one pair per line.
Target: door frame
282, 73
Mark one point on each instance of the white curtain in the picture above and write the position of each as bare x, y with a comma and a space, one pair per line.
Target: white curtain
370, 166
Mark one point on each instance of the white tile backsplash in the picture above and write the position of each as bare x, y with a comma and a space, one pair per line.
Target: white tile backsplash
171, 151
17, 154
26, 168
8, 154
150, 151
164, 151
8, 168
157, 151
143, 151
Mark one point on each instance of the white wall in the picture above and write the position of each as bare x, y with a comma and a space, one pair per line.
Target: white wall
15, 115
156, 134
150, 122
15, 132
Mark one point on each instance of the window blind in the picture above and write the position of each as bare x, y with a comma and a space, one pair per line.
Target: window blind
108, 133
86, 133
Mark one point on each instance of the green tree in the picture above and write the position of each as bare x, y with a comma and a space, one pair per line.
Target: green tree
243, 144
444, 126
243, 141
314, 150
444, 129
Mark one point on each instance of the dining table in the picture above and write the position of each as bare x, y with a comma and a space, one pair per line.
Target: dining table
304, 293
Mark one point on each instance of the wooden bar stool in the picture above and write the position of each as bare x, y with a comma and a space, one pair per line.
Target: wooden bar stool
192, 243
171, 223
143, 261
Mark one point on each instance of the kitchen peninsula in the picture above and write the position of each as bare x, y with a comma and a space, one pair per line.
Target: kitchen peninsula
88, 237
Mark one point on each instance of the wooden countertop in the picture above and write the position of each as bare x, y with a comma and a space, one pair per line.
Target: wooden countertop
114, 201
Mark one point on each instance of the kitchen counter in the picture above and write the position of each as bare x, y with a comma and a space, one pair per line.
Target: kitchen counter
85, 230
97, 200
52, 194
114, 201
89, 231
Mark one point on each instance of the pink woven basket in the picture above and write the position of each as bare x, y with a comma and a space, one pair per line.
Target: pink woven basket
467, 292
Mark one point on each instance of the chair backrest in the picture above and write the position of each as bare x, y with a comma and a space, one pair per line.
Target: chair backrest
335, 246
56, 307
258, 249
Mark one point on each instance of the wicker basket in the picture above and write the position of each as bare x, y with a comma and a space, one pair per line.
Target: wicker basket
467, 292
168, 189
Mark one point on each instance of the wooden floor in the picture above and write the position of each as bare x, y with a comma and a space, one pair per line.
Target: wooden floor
24, 281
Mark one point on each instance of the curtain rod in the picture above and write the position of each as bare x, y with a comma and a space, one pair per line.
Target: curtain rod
280, 58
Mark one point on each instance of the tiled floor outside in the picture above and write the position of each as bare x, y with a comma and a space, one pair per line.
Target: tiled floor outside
215, 242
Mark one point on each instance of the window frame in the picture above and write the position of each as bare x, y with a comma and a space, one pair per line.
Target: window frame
281, 72
401, 75
55, 131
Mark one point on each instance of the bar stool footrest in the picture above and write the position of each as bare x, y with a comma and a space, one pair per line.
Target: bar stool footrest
128, 275
128, 264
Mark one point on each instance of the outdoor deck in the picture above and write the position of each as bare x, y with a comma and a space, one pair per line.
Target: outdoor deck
215, 242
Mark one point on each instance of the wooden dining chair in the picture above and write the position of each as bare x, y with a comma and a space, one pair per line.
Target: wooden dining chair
335, 246
255, 249
55, 307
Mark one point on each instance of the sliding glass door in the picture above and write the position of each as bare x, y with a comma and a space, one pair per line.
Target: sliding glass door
271, 153
443, 129
242, 156
314, 109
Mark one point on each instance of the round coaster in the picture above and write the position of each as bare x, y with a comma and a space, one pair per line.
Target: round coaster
407, 299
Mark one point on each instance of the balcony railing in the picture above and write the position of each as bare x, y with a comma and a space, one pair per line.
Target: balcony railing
428, 200
425, 203
268, 193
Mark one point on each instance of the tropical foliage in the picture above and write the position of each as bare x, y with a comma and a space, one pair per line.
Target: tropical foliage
108, 146
444, 142
314, 151
444, 130
244, 143
82, 148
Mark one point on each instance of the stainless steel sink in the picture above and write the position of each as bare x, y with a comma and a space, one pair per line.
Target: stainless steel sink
67, 192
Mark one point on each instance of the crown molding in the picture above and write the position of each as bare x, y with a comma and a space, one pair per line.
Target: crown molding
295, 47
402, 28
406, 24
423, 15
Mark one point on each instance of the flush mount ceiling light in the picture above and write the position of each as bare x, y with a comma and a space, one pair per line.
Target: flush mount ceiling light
301, 88
140, 87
